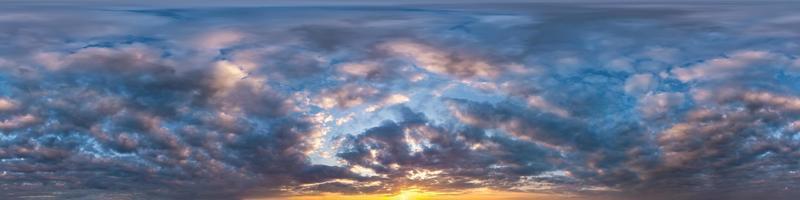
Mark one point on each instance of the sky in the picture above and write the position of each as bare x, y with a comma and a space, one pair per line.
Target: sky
404, 101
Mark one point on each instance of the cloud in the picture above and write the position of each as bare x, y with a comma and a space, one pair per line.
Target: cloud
441, 62
7, 104
656, 105
362, 69
438, 157
732, 66
530, 125
346, 96
640, 84
17, 122
217, 40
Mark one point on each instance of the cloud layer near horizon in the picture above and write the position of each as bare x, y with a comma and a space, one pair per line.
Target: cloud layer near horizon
600, 101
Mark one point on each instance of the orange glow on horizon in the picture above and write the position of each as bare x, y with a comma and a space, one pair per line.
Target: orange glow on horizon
419, 194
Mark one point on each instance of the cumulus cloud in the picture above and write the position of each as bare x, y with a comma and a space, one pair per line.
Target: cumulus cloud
217, 40
733, 66
441, 62
17, 121
362, 69
655, 105
346, 96
7, 104
640, 84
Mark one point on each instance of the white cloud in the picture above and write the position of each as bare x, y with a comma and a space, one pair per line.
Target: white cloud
441, 62
362, 69
658, 104
738, 63
217, 39
7, 104
621, 65
640, 84
541, 103
18, 121
226, 75
390, 100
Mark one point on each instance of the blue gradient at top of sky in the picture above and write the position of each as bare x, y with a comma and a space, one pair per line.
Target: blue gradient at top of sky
593, 100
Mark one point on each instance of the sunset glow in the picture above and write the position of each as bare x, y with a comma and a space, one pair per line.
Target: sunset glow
419, 194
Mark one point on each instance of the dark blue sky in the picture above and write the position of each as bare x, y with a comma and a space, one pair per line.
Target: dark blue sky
175, 100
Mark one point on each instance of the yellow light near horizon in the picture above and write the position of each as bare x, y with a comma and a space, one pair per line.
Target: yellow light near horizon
419, 194
405, 195
414, 194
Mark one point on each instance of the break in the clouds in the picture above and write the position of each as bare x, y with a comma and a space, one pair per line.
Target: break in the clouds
575, 100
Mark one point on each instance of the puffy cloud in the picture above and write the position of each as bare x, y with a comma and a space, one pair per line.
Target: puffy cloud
132, 57
656, 105
541, 103
441, 62
389, 100
363, 69
346, 96
7, 104
217, 40
736, 65
444, 158
640, 84
621, 64
16, 122
226, 75
121, 118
